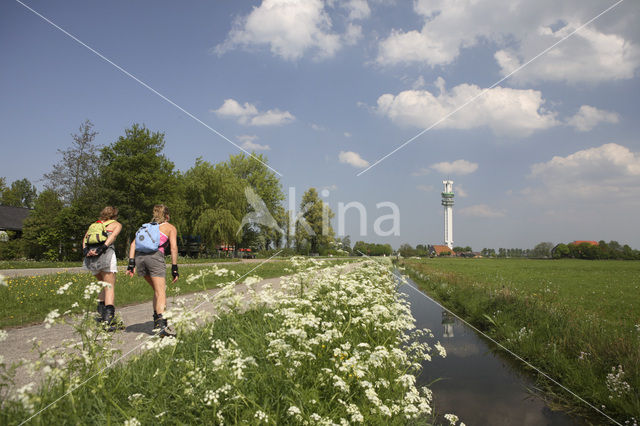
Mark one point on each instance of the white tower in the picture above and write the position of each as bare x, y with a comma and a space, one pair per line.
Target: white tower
447, 202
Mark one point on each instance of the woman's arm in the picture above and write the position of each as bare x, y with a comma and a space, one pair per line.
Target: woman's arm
117, 227
173, 239
132, 249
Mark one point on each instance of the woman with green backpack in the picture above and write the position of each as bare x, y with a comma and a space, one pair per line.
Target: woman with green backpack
100, 260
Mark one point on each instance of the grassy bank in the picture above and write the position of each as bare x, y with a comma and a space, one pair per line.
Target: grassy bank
26, 300
336, 353
577, 320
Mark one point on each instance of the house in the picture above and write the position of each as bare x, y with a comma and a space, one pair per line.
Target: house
577, 243
12, 218
440, 250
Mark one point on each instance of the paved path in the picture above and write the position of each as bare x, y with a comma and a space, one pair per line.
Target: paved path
10, 273
138, 320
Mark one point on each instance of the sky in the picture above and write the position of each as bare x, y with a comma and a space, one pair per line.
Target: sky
530, 107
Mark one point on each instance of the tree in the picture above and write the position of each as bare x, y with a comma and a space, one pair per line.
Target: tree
22, 193
134, 177
406, 250
315, 228
560, 251
215, 203
79, 167
253, 172
41, 231
542, 250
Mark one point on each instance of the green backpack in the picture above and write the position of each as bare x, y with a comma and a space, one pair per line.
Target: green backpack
97, 232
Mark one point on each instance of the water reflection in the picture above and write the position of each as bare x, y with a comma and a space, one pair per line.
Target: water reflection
447, 323
479, 386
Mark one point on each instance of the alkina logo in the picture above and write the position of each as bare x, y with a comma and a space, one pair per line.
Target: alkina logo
260, 214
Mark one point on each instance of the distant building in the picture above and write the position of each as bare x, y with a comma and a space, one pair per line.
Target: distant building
577, 243
12, 218
440, 250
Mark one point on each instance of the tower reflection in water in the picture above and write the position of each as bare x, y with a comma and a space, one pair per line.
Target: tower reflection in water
447, 323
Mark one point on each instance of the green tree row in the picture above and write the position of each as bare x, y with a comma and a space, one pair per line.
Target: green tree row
208, 202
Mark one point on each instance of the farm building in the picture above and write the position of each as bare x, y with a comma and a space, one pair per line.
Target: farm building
12, 219
440, 250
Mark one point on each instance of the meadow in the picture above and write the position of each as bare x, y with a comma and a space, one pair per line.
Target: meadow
577, 320
326, 348
27, 300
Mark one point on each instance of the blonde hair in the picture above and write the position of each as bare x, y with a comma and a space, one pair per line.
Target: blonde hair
109, 213
160, 213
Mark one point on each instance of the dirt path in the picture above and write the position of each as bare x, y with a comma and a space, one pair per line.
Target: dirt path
137, 318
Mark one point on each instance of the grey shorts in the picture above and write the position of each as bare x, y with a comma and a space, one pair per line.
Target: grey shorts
151, 264
106, 262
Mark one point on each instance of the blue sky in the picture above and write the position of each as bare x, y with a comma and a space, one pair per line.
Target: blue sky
325, 89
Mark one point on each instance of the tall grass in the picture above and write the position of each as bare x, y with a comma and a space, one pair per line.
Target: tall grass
579, 321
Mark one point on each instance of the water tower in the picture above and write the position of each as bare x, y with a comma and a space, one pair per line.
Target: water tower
447, 202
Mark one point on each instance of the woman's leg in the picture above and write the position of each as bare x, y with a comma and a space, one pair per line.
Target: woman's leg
100, 277
159, 293
108, 293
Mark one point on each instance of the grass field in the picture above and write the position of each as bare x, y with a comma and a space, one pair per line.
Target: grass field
578, 320
26, 300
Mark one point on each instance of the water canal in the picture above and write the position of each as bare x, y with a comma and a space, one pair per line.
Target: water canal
474, 382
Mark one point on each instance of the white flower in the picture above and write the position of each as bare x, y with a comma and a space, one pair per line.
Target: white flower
453, 419
616, 383
293, 410
3, 281
64, 288
261, 416
51, 318
132, 422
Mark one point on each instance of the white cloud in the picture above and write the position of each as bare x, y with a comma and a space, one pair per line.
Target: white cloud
457, 167
353, 158
248, 114
425, 188
347, 134
460, 191
289, 28
481, 210
419, 83
317, 127
273, 117
352, 35
590, 55
605, 173
358, 9
506, 111
588, 117
248, 143
422, 172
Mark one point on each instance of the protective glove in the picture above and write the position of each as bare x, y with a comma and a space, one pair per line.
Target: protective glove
101, 249
132, 265
174, 271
